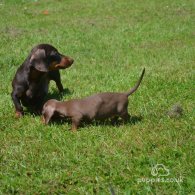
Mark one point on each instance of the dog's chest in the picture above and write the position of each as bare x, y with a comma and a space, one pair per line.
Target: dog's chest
38, 82
36, 76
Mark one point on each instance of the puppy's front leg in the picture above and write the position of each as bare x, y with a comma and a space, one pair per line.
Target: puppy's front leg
55, 76
17, 104
125, 116
46, 116
60, 86
75, 123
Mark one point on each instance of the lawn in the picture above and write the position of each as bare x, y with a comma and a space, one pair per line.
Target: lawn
111, 42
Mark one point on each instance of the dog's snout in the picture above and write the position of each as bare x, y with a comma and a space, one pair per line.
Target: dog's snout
67, 60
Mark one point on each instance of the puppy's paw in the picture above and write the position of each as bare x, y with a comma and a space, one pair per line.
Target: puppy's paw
18, 114
43, 120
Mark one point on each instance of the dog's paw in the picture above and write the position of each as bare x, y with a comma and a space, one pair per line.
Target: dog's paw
18, 114
43, 120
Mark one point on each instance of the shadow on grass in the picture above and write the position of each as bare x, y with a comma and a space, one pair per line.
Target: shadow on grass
57, 120
58, 96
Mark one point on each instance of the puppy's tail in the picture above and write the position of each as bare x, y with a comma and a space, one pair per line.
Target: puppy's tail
132, 90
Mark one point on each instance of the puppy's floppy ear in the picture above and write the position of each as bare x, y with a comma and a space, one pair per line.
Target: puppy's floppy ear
37, 60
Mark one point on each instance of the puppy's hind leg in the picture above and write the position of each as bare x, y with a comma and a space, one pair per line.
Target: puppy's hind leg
114, 120
125, 116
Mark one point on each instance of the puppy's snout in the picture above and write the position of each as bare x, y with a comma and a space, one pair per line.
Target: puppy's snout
66, 62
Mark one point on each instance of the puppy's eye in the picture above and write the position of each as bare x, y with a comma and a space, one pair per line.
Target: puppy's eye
54, 57
54, 54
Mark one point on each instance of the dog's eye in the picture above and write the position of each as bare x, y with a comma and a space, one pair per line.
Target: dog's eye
54, 57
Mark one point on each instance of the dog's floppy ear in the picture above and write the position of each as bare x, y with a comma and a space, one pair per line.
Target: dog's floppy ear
38, 61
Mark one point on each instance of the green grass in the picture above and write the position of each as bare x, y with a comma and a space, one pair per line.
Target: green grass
110, 41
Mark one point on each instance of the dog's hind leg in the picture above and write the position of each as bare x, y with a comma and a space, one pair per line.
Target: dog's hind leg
125, 116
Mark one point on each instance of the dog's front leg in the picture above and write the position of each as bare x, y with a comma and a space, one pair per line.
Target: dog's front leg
19, 110
75, 123
55, 76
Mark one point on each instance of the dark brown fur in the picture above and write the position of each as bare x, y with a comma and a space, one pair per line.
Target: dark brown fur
99, 106
31, 81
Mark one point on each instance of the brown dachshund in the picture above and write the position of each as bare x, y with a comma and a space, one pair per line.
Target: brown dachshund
31, 81
99, 106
